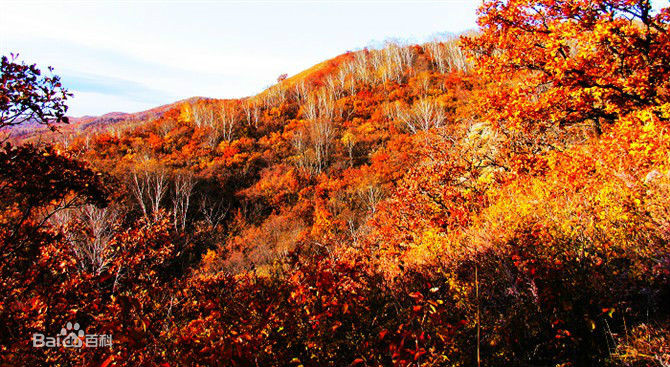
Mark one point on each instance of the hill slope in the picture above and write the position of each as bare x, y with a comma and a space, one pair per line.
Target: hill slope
402, 206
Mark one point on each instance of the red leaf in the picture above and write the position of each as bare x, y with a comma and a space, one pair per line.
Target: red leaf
107, 361
357, 361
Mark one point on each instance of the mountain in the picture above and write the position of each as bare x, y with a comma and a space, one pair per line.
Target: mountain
497, 199
333, 119
88, 124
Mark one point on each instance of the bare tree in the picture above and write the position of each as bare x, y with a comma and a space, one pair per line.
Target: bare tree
213, 212
90, 232
361, 67
313, 144
351, 77
392, 63
310, 109
326, 104
274, 95
213, 137
437, 53
256, 113
456, 57
149, 189
321, 133
371, 196
447, 56
203, 116
62, 139
376, 59
140, 188
300, 91
247, 107
341, 77
87, 141
407, 57
181, 199
251, 112
349, 142
197, 114
392, 67
157, 189
423, 81
423, 115
299, 144
334, 87
428, 114
227, 122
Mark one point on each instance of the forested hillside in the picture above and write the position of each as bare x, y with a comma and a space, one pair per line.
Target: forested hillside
495, 199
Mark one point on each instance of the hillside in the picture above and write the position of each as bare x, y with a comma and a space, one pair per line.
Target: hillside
87, 125
331, 124
495, 199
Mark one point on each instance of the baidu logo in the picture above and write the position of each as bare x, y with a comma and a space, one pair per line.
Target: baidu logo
72, 336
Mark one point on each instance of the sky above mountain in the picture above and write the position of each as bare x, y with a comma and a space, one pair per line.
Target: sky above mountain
130, 56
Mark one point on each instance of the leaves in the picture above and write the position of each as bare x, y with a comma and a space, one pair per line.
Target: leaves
383, 208
28, 97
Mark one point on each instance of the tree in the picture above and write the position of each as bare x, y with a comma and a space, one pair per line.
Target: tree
349, 141
310, 109
149, 189
27, 96
423, 115
181, 199
90, 231
569, 62
37, 182
213, 212
447, 56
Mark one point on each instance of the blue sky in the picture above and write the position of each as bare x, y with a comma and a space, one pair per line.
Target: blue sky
133, 55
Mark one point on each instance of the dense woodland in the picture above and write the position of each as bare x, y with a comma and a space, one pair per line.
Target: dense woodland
495, 199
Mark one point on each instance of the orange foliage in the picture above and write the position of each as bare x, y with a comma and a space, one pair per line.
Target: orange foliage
402, 206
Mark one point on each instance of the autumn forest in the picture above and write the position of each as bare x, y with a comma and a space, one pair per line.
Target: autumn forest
497, 198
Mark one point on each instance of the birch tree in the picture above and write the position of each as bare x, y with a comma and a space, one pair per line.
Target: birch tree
424, 114
182, 191
90, 233
227, 121
149, 189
